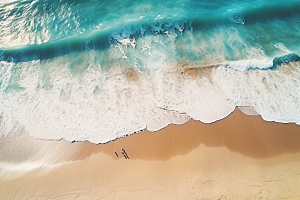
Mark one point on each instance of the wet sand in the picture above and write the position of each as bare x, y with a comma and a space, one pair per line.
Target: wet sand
238, 157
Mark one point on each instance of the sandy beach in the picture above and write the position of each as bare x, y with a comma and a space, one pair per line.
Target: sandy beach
149, 100
239, 157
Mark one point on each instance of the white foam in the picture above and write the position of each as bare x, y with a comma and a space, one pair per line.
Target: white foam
75, 98
245, 65
118, 107
282, 47
274, 94
128, 41
198, 98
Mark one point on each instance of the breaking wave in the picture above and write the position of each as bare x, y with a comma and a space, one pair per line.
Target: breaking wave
66, 75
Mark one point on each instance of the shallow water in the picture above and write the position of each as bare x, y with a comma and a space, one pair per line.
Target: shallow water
99, 70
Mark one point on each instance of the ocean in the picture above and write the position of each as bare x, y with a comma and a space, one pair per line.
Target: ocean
100, 70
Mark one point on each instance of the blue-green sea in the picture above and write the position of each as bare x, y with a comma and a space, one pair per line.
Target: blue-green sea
99, 70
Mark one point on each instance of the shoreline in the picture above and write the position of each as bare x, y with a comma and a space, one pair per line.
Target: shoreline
247, 110
207, 134
237, 157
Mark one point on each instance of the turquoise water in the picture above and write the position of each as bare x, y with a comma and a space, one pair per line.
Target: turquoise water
99, 70
34, 30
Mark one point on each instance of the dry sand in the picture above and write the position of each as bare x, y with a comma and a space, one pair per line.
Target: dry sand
239, 157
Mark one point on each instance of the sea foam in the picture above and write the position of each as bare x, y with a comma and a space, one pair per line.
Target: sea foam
102, 106
80, 74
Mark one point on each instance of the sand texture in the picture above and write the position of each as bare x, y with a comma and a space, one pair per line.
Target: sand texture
239, 157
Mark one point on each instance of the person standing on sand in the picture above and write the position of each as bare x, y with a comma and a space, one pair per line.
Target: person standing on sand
124, 153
